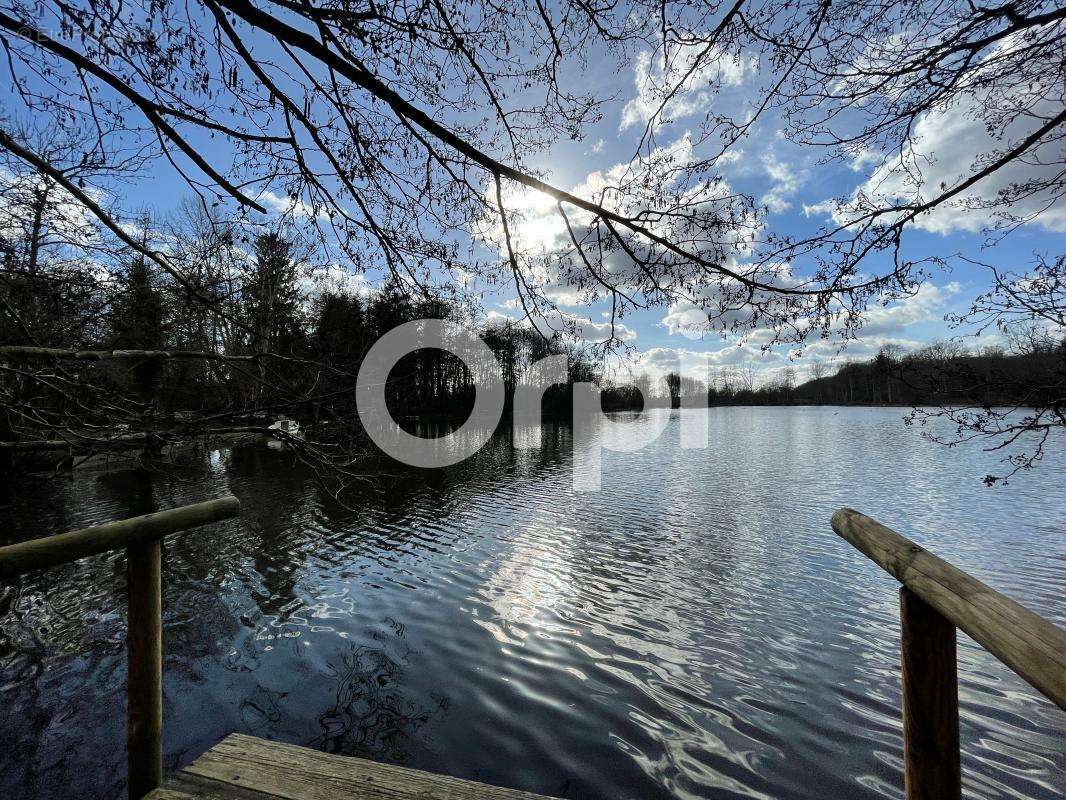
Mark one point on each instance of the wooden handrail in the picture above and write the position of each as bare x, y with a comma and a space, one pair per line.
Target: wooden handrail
935, 599
1021, 639
142, 539
38, 554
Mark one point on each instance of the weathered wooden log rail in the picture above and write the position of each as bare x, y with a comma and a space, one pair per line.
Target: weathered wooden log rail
142, 539
83, 441
935, 600
63, 354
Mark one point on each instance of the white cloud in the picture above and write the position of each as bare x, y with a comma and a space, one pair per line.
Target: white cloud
573, 326
896, 319
584, 329
335, 279
498, 319
542, 242
865, 158
945, 146
284, 205
785, 182
883, 325
861, 349
712, 308
688, 320
655, 76
925, 305
824, 208
950, 144
731, 156
701, 364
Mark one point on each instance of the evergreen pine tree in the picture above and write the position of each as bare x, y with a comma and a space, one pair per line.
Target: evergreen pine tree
271, 297
135, 322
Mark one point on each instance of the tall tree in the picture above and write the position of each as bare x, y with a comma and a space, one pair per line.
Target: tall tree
340, 334
135, 322
271, 297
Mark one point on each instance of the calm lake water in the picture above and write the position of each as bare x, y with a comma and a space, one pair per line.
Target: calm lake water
694, 630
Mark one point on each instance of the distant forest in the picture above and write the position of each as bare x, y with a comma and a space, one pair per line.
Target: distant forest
128, 359
277, 335
1031, 373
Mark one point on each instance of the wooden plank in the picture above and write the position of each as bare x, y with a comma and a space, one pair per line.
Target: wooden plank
289, 772
37, 554
144, 652
930, 701
185, 786
1026, 642
169, 793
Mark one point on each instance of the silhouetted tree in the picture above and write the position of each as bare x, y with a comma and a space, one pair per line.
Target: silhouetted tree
135, 322
271, 298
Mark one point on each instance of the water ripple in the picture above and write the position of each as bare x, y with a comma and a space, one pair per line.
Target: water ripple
695, 630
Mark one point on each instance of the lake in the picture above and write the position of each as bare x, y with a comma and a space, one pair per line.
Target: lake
693, 630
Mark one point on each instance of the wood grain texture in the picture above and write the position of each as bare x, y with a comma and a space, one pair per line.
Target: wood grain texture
168, 793
1026, 642
185, 786
49, 551
930, 701
144, 684
256, 768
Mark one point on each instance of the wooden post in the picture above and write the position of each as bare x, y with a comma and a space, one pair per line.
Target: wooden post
144, 649
930, 702
142, 538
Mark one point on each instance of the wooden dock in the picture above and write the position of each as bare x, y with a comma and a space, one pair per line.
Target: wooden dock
247, 768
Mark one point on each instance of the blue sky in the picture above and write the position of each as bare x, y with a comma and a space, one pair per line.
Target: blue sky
794, 185
787, 179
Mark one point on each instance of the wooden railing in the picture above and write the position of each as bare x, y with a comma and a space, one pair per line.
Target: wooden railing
935, 599
142, 539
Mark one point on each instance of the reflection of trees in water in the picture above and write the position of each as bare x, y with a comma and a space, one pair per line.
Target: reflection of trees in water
21, 648
62, 663
62, 669
73, 610
198, 625
371, 717
398, 488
